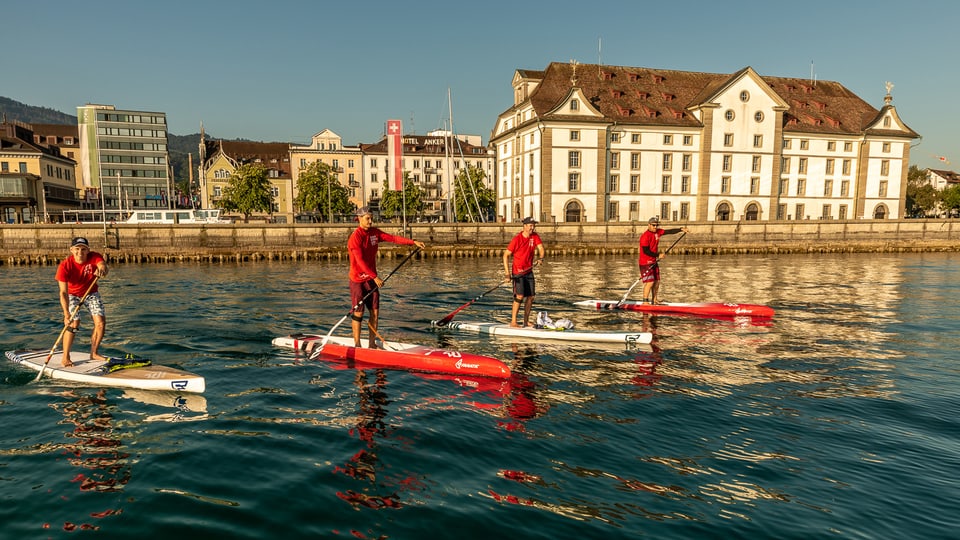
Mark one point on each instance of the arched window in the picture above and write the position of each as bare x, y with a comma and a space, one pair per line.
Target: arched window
723, 212
517, 216
880, 212
752, 212
572, 212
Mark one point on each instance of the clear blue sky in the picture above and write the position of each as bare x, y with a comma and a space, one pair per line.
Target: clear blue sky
284, 70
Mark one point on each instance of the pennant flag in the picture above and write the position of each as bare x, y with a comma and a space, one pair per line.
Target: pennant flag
395, 152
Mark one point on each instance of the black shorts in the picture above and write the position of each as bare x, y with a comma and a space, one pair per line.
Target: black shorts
524, 285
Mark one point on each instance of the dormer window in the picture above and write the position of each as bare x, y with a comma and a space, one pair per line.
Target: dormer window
886, 121
574, 105
744, 96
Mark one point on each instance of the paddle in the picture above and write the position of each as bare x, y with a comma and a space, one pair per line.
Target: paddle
316, 351
444, 321
65, 326
647, 271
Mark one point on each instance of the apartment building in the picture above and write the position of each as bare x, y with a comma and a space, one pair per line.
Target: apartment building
37, 182
612, 143
346, 162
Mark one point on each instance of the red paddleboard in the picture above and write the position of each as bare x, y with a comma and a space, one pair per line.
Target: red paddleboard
703, 309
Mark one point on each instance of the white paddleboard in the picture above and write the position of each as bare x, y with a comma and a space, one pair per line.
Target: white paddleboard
96, 372
497, 329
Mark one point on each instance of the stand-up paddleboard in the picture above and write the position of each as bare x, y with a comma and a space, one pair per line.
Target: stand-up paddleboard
703, 309
537, 334
111, 372
399, 355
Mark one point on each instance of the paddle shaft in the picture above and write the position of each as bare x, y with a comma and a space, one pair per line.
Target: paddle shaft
648, 270
65, 326
450, 317
316, 351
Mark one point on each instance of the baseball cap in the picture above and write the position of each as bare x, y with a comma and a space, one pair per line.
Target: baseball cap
79, 241
654, 219
528, 220
363, 211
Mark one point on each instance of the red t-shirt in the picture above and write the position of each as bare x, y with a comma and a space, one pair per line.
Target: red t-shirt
79, 276
652, 241
363, 245
523, 250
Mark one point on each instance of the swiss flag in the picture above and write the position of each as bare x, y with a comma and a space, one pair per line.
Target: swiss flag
395, 152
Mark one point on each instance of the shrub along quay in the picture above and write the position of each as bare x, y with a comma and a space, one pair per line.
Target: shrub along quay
48, 244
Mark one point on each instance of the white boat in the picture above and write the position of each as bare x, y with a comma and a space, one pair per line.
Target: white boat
159, 216
537, 334
98, 372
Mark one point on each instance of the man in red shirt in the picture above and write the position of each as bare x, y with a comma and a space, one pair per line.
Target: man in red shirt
650, 256
523, 247
75, 275
362, 246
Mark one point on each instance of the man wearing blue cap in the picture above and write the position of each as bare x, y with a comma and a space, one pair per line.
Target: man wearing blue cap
76, 275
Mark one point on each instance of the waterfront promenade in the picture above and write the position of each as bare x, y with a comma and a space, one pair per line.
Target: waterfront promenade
47, 244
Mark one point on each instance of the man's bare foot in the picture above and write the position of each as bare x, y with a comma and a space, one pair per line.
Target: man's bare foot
514, 325
66, 362
98, 357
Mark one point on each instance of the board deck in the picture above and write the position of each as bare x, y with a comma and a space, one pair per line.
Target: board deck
538, 334
703, 309
89, 371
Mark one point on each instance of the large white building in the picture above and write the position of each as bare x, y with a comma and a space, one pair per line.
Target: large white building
124, 153
611, 143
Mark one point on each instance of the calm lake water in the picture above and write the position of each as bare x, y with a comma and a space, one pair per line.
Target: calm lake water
839, 419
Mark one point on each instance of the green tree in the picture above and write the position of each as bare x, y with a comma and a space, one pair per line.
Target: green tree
391, 203
951, 199
922, 198
472, 200
319, 191
248, 191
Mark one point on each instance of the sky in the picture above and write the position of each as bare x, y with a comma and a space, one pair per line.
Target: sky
285, 70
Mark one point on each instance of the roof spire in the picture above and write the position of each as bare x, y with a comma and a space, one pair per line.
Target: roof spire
888, 98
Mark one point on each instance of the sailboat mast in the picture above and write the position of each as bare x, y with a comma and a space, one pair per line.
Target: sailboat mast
450, 198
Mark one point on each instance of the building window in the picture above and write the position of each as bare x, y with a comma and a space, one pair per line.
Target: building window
883, 188
668, 139
845, 188
373, 178
755, 164
665, 210
725, 184
614, 137
615, 160
573, 158
684, 211
634, 211
804, 144
787, 143
781, 211
847, 146
573, 181
634, 160
826, 212
784, 165
574, 105
614, 183
801, 187
23, 166
574, 134
684, 184
687, 160
687, 140
758, 116
667, 162
803, 166
728, 139
886, 147
744, 96
754, 186
830, 166
831, 146
886, 121
885, 167
827, 188
842, 213
727, 163
729, 115
373, 162
613, 211
800, 211
758, 141
217, 191
635, 138
634, 183
665, 184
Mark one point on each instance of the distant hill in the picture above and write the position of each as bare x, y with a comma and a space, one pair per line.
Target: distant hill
178, 145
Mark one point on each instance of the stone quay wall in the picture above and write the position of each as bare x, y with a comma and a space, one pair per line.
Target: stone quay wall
48, 243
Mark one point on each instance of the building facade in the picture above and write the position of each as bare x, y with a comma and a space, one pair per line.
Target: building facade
433, 162
219, 159
124, 154
36, 181
609, 143
346, 162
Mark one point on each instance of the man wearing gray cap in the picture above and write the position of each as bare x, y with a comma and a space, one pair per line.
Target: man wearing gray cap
76, 276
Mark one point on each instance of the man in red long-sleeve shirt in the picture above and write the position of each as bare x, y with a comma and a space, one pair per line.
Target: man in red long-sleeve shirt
365, 284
